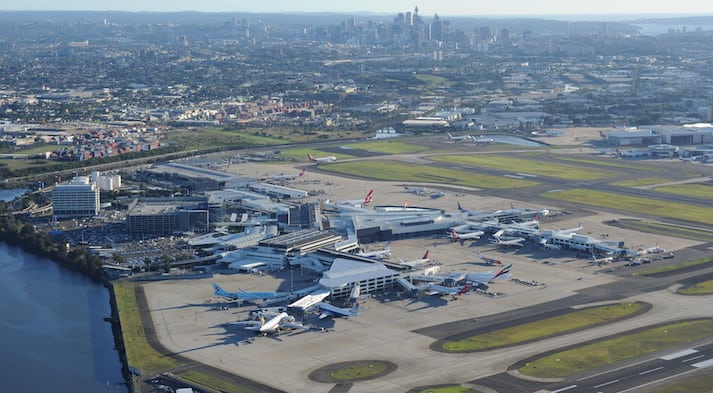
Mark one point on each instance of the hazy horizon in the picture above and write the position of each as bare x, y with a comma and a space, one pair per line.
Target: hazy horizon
555, 9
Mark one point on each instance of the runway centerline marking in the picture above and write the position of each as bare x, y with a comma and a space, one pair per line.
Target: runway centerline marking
693, 358
605, 384
563, 389
651, 371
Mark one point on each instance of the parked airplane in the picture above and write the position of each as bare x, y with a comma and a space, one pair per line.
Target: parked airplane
329, 310
285, 177
438, 290
417, 190
463, 138
462, 237
416, 262
378, 254
601, 261
322, 160
481, 140
484, 278
570, 230
359, 202
251, 297
509, 241
273, 325
489, 261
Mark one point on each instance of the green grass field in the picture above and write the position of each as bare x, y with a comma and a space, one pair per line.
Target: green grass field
634, 204
205, 138
701, 288
389, 146
359, 371
692, 190
674, 267
616, 349
644, 181
300, 154
519, 165
667, 230
138, 351
434, 81
400, 171
545, 328
611, 164
212, 383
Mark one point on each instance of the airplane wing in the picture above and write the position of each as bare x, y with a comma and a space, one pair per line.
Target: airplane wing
435, 289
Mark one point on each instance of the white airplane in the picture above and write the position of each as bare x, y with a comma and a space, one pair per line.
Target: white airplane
273, 325
328, 310
322, 160
416, 262
601, 261
489, 261
462, 237
482, 140
285, 177
359, 202
252, 297
463, 138
570, 230
438, 290
509, 241
378, 254
416, 190
655, 250
485, 278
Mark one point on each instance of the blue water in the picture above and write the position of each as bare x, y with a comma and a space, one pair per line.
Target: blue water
52, 333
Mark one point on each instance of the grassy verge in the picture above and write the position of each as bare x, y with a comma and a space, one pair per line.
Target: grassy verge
212, 383
399, 171
300, 154
701, 288
613, 200
389, 147
517, 165
664, 229
611, 164
674, 267
544, 328
619, 348
359, 371
692, 190
644, 181
138, 351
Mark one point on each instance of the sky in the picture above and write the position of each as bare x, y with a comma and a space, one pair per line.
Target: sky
426, 7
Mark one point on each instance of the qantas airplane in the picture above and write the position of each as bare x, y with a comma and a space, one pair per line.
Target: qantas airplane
461, 237
416, 262
360, 202
322, 160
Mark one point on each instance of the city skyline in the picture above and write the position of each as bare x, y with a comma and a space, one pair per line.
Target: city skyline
426, 7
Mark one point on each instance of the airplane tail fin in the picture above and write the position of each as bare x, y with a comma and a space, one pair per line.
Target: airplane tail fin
217, 290
460, 208
504, 271
369, 195
311, 157
425, 255
302, 173
449, 135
